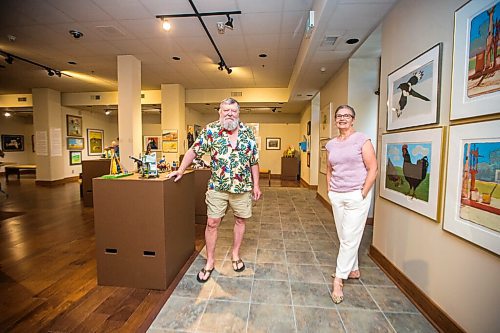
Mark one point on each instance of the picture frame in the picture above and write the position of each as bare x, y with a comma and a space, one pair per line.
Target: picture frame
323, 156
74, 125
308, 159
170, 135
475, 89
75, 157
273, 143
95, 142
413, 91
472, 203
74, 143
325, 121
155, 142
32, 143
308, 128
12, 142
411, 168
169, 146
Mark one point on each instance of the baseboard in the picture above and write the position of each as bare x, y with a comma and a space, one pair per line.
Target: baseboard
51, 183
323, 201
429, 309
306, 184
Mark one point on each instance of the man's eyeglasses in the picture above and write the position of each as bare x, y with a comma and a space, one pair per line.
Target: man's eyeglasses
345, 116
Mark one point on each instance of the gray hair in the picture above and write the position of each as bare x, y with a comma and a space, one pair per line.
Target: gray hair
348, 107
230, 101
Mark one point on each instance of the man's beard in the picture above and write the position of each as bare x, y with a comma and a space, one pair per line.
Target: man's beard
230, 125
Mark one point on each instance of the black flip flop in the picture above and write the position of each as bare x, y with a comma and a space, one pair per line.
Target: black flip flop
235, 263
204, 271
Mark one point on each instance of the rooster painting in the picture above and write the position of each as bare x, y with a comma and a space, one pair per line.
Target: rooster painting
413, 173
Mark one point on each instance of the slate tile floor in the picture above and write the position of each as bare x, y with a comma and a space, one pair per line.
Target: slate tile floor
289, 250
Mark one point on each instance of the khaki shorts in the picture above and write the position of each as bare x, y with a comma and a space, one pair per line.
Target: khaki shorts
241, 204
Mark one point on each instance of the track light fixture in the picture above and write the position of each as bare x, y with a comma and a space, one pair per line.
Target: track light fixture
228, 24
9, 58
166, 25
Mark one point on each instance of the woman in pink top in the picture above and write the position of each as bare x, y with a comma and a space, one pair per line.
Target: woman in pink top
351, 172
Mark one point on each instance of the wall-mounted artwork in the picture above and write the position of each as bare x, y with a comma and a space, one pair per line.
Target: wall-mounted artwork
273, 143
169, 141
75, 157
95, 142
325, 121
190, 135
170, 135
74, 143
410, 168
476, 60
254, 127
12, 142
472, 204
197, 130
74, 125
169, 146
323, 156
154, 141
413, 91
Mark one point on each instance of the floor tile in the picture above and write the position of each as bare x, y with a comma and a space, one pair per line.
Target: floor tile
317, 320
271, 271
232, 289
359, 321
356, 296
391, 299
410, 323
271, 292
263, 318
271, 256
311, 294
305, 273
180, 313
221, 316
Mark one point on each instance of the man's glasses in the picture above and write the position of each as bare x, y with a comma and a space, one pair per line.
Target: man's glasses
345, 116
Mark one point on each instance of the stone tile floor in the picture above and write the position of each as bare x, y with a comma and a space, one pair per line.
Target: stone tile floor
289, 249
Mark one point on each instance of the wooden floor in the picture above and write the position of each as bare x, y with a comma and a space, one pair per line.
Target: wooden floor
48, 269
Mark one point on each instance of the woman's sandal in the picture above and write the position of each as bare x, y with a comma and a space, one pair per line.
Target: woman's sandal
204, 271
337, 299
235, 264
354, 275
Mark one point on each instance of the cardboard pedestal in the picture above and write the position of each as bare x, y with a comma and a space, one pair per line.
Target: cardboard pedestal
92, 169
201, 177
144, 230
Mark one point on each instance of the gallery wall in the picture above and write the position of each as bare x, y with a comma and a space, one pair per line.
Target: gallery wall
459, 277
17, 125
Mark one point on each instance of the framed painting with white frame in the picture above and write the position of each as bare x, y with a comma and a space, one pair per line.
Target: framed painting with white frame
476, 76
273, 143
472, 203
323, 155
325, 121
413, 91
95, 141
154, 140
75, 157
410, 170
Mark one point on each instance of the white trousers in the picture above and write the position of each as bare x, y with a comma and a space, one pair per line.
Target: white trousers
349, 211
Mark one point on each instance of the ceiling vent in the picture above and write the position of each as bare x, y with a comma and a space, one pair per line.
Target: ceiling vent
110, 31
328, 42
95, 97
236, 93
21, 99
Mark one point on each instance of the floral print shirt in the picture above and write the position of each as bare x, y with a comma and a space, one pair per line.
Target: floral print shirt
231, 167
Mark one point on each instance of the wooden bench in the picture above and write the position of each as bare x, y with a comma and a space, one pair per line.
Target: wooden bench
17, 168
268, 172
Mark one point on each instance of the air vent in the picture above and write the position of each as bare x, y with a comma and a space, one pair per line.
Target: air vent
21, 99
328, 41
143, 95
95, 97
236, 94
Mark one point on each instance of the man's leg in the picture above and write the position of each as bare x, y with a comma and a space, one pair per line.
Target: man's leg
211, 240
239, 230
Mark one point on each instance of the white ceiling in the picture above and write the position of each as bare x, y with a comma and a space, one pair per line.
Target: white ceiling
117, 27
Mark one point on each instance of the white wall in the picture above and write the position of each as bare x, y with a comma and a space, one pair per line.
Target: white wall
17, 125
461, 278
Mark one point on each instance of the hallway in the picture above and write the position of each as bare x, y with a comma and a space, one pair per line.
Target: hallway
289, 249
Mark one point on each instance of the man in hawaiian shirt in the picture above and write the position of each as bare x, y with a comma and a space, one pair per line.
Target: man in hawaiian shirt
234, 179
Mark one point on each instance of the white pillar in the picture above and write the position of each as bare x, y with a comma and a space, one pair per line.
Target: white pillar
129, 109
173, 116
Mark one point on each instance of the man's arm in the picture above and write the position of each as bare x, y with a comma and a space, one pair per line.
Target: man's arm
255, 177
186, 161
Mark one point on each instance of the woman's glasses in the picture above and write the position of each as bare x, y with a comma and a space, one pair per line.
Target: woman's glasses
345, 116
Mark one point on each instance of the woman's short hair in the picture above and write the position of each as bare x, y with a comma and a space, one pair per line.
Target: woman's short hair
348, 107
230, 101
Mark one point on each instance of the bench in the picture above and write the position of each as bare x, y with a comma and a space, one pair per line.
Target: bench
268, 172
17, 168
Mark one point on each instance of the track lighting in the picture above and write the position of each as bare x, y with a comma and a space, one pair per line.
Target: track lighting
221, 66
9, 58
107, 112
7, 114
229, 23
166, 25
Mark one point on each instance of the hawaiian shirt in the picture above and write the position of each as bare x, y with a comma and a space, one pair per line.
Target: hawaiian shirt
231, 167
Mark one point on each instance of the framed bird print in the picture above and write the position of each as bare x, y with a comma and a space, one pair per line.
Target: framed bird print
476, 61
472, 203
413, 91
410, 170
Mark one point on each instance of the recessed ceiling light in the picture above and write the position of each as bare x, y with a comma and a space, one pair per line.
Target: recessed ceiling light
352, 41
309, 95
176, 58
72, 62
262, 55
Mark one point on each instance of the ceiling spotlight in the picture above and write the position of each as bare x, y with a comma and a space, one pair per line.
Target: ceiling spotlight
229, 23
352, 41
229, 70
273, 109
221, 28
166, 25
221, 66
50, 72
107, 112
58, 73
76, 34
7, 114
9, 59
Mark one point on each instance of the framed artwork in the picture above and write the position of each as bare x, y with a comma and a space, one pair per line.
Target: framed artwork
325, 121
273, 143
410, 170
169, 146
12, 142
197, 130
73, 125
170, 135
33, 143
472, 203
413, 91
309, 127
308, 159
75, 157
154, 141
323, 156
190, 135
254, 127
476, 62
74, 143
95, 140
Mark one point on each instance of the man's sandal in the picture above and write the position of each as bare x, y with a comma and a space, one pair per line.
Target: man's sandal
204, 271
235, 264
337, 299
